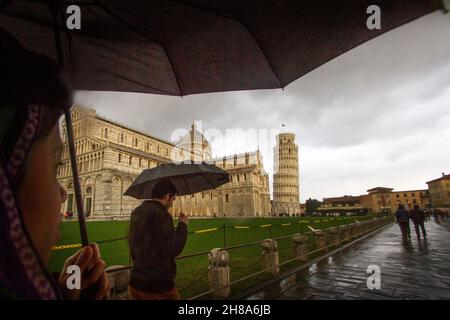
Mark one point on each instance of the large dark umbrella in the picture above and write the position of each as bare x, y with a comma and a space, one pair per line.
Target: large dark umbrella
181, 47
188, 178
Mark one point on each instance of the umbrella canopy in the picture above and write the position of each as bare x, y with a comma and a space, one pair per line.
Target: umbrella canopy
182, 47
188, 178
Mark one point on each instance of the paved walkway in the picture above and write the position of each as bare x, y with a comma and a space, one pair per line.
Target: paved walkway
411, 270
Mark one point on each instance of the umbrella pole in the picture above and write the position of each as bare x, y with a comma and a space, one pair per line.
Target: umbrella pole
76, 180
53, 8
181, 206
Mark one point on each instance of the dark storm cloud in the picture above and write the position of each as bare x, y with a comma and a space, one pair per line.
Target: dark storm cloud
363, 119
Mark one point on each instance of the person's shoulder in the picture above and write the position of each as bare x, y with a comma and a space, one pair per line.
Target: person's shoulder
154, 208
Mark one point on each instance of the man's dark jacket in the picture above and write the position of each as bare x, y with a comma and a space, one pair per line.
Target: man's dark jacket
154, 244
417, 216
402, 216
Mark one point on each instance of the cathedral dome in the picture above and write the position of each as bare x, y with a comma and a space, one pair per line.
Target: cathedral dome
195, 145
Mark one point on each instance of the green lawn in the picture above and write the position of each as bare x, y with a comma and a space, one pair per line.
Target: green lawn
191, 279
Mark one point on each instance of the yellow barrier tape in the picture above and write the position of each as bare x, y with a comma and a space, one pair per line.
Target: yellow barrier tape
286, 224
265, 225
241, 227
66, 246
205, 230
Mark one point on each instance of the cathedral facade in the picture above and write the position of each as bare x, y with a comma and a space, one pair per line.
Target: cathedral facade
111, 155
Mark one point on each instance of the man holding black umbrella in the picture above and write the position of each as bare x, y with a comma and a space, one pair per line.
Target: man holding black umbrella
154, 245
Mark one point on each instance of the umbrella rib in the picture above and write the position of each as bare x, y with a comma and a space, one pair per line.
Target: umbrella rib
135, 82
112, 14
187, 185
209, 183
206, 9
241, 21
173, 70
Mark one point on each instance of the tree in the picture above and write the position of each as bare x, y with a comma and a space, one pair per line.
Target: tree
311, 205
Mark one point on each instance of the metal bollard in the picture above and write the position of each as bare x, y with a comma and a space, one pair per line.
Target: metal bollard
270, 256
219, 273
300, 248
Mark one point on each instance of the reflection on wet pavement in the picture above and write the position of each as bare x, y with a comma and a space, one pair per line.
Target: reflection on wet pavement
415, 269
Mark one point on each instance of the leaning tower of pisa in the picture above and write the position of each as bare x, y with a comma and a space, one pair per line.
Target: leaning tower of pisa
286, 191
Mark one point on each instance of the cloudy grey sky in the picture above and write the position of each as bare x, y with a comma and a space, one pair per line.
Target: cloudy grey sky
378, 115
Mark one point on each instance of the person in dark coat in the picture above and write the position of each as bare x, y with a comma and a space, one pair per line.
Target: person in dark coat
418, 218
403, 221
154, 245
34, 95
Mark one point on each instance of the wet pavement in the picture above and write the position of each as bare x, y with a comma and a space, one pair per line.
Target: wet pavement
416, 269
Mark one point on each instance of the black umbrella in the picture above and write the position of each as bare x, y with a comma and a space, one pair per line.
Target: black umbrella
188, 178
181, 47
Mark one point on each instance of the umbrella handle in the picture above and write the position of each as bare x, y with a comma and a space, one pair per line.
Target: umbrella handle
181, 205
76, 180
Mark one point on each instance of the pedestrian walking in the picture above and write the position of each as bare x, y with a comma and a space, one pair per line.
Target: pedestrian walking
418, 218
402, 217
154, 245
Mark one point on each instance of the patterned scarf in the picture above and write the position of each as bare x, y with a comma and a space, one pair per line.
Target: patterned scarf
28, 81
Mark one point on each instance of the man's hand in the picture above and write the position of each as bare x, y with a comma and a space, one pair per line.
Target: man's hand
183, 218
92, 269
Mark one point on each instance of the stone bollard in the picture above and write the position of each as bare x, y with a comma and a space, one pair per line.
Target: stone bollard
219, 273
334, 235
352, 232
343, 233
300, 248
270, 256
118, 280
320, 240
359, 228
